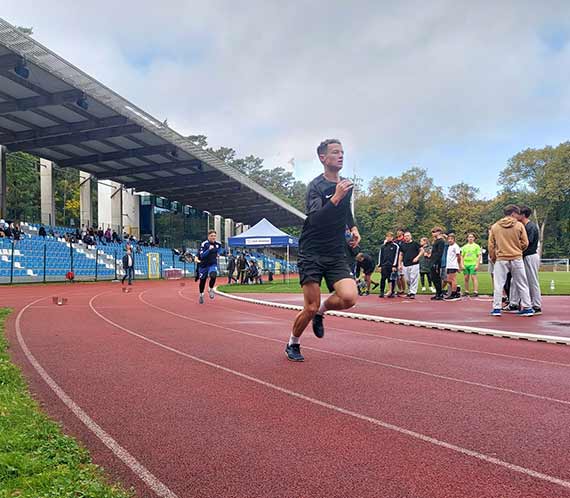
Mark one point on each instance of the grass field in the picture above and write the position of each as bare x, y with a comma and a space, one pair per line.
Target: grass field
561, 284
36, 458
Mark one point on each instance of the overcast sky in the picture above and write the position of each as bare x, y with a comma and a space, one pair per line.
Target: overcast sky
455, 87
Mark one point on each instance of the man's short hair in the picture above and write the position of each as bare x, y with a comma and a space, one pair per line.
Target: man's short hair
451, 235
389, 234
471, 233
324, 146
525, 211
511, 209
407, 231
210, 232
437, 229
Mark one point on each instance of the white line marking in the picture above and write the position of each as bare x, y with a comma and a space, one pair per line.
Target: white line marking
415, 323
130, 461
359, 358
338, 409
410, 341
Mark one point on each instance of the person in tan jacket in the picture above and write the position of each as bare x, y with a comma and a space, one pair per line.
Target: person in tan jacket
507, 241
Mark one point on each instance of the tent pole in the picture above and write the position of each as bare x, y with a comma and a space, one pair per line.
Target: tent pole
287, 263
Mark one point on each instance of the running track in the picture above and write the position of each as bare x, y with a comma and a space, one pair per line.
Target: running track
200, 401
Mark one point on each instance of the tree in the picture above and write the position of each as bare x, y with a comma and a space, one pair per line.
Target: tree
542, 178
26, 31
23, 187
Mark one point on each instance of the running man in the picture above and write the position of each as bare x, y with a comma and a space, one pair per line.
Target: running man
470, 259
322, 243
208, 267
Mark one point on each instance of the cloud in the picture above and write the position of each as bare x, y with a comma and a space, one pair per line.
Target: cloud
398, 82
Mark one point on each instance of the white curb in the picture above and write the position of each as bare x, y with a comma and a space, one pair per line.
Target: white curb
552, 339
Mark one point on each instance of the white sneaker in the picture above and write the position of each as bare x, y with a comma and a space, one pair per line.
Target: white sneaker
432, 289
201, 300
423, 289
211, 293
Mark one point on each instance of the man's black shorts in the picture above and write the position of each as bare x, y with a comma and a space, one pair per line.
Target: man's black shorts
315, 268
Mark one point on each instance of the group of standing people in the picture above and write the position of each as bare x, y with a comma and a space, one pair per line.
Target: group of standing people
513, 253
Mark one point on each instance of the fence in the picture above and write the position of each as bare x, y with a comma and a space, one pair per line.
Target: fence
54, 260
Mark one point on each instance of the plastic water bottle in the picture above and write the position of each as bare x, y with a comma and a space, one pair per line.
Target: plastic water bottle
552, 285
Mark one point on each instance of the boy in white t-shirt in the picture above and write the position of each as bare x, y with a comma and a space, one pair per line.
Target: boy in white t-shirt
453, 264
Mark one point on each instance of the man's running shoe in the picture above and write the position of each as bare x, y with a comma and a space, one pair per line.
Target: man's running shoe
475, 294
537, 310
432, 290
423, 289
391, 295
526, 312
495, 312
437, 297
211, 293
454, 296
381, 295
511, 308
411, 296
201, 300
318, 327
293, 352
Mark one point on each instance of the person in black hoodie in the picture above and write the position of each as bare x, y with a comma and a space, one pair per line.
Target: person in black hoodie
388, 263
435, 262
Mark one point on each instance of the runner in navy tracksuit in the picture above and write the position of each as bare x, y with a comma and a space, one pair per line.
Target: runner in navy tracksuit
208, 266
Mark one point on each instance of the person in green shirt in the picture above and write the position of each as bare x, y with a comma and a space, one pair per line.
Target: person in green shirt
470, 259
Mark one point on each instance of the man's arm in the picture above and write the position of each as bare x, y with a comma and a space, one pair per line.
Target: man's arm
523, 238
420, 254
491, 247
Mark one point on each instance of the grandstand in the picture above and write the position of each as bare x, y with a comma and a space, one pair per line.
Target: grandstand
44, 259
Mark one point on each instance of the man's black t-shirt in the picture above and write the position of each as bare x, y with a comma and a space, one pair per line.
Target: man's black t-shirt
323, 231
533, 236
410, 250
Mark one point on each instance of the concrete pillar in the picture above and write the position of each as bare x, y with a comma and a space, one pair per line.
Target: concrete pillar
131, 213
218, 225
104, 191
85, 204
3, 180
229, 229
117, 208
47, 203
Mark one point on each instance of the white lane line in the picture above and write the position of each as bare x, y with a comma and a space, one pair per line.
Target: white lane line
409, 341
338, 409
130, 461
363, 360
414, 323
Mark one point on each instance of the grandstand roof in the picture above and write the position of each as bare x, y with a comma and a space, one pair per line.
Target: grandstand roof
62, 114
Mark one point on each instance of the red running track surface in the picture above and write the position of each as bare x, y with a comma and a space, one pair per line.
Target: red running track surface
204, 398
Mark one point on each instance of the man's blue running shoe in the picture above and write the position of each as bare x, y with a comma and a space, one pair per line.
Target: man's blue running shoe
293, 352
495, 312
318, 327
526, 312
